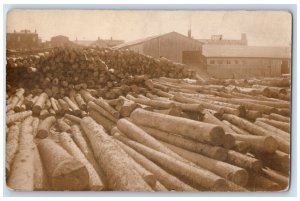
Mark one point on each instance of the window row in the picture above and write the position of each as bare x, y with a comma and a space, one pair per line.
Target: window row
219, 61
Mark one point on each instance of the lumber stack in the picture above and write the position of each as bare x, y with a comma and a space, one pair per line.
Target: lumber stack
112, 120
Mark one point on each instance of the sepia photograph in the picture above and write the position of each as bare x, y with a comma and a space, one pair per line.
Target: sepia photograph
148, 100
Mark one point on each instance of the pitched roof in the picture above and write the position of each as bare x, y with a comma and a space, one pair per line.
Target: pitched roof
245, 51
142, 40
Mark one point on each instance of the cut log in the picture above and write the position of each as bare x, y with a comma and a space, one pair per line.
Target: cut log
215, 152
112, 159
259, 143
242, 146
64, 171
73, 118
192, 129
278, 124
75, 109
179, 168
94, 106
40, 103
35, 126
40, 177
81, 103
107, 107
136, 133
168, 180
22, 170
13, 118
279, 117
243, 161
95, 182
225, 170
44, 127
12, 143
106, 123
63, 126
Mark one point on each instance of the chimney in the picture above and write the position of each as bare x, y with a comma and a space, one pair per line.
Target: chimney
244, 38
189, 33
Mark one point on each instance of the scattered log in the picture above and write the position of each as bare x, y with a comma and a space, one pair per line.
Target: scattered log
44, 127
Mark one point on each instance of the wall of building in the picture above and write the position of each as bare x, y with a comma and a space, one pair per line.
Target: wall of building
243, 67
170, 46
24, 41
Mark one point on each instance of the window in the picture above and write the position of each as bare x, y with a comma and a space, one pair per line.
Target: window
220, 62
212, 61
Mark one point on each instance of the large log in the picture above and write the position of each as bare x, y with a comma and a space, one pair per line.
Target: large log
63, 170
192, 129
44, 127
168, 180
225, 170
95, 182
215, 152
112, 159
22, 171
13, 118
193, 174
12, 143
40, 103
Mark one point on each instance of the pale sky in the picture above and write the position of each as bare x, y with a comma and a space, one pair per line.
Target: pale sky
267, 28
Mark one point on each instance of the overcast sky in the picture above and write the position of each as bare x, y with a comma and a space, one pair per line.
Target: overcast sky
268, 28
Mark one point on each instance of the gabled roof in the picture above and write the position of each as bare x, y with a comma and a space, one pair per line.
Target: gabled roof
245, 51
142, 40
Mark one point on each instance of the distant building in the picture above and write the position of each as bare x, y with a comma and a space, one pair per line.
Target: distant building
98, 43
173, 46
23, 40
229, 61
59, 41
219, 40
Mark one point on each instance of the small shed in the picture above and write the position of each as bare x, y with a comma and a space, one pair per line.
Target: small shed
173, 46
229, 61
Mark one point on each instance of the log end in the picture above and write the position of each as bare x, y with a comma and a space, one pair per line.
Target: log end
270, 144
217, 135
220, 154
220, 185
240, 177
42, 134
70, 175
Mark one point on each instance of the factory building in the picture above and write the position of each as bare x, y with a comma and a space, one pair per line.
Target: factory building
23, 40
229, 61
173, 46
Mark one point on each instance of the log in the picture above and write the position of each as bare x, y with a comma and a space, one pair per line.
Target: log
159, 187
242, 146
254, 129
13, 118
81, 103
168, 180
44, 127
35, 125
279, 117
261, 183
225, 170
63, 106
63, 126
278, 124
215, 152
17, 107
73, 118
40, 103
112, 159
192, 129
236, 129
277, 177
126, 107
252, 115
95, 182
107, 107
64, 171
55, 106
136, 133
44, 114
106, 123
243, 161
179, 168
86, 95
75, 109
153, 103
94, 106
12, 143
259, 143
274, 130
40, 177
22, 171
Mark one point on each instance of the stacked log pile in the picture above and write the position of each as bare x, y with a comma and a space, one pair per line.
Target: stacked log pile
66, 131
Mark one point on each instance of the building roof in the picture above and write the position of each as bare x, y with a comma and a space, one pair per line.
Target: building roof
245, 51
84, 42
142, 40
